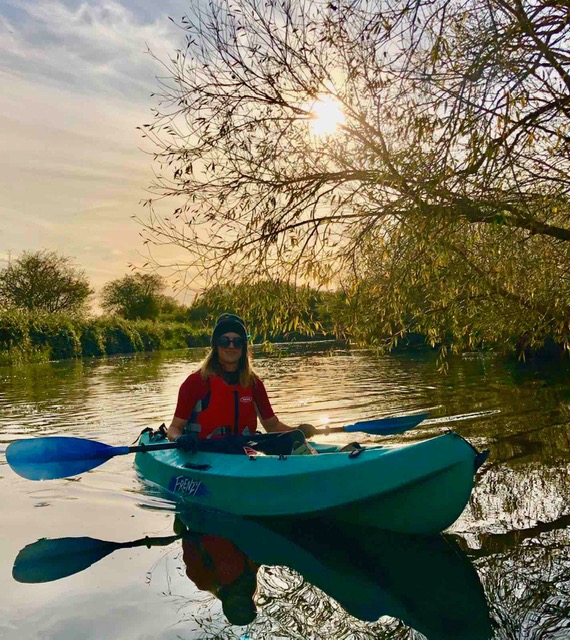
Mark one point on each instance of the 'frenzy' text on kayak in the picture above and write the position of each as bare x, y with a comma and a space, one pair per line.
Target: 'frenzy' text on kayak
187, 486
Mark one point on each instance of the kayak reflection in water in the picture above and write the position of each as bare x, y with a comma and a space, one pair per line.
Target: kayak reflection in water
217, 565
426, 582
219, 404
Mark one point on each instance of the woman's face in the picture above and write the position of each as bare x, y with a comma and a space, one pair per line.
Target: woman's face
229, 355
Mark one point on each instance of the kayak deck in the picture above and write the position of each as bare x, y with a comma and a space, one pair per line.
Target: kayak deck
413, 488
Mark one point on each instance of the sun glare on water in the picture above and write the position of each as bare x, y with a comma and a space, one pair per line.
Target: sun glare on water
327, 116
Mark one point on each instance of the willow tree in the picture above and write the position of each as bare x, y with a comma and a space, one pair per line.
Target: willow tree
274, 309
440, 202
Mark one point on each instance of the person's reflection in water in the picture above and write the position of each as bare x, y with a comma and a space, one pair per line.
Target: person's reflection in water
216, 565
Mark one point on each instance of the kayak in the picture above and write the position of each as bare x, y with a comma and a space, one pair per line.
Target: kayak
412, 488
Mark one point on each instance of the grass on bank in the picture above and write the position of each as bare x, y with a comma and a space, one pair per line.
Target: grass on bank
41, 337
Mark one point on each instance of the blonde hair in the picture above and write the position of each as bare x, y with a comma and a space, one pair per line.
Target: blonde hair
212, 367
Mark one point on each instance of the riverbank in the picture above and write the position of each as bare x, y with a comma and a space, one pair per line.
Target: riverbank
27, 338
40, 337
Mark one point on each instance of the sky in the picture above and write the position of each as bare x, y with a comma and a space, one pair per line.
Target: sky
75, 81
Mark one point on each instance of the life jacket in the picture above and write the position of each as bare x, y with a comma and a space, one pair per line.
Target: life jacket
231, 410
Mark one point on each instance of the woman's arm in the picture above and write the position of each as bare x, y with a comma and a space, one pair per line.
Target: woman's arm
273, 424
191, 390
176, 428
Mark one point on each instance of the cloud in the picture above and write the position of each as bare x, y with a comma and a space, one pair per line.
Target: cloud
72, 176
92, 47
76, 82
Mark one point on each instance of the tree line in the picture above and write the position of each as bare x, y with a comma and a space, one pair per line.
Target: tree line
45, 312
38, 285
49, 282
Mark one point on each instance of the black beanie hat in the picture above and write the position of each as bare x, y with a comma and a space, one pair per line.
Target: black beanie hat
228, 322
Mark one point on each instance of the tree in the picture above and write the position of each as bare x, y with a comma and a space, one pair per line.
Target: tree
443, 199
137, 296
44, 281
271, 308
173, 311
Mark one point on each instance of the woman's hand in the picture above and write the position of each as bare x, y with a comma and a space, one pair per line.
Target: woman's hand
188, 442
176, 428
308, 430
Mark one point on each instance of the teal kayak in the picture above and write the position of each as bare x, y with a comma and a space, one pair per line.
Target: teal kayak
413, 488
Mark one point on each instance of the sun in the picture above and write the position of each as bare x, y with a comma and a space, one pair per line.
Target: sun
327, 116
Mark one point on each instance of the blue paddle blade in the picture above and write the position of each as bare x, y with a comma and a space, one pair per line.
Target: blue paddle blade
58, 457
47, 560
387, 426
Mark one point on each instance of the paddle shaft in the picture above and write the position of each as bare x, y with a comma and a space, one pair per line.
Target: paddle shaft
327, 430
162, 541
144, 447
61, 457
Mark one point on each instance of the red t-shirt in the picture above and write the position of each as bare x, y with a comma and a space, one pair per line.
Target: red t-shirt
195, 388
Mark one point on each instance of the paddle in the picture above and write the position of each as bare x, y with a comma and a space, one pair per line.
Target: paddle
379, 427
61, 457
48, 560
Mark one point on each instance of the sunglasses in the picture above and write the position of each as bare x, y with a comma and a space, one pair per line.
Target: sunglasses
225, 342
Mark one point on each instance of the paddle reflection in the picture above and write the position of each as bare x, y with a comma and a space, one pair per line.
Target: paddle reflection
423, 583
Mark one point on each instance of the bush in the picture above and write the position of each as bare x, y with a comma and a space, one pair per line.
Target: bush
34, 336
58, 333
121, 337
13, 329
92, 340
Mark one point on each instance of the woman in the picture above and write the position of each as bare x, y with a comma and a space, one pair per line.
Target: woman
225, 397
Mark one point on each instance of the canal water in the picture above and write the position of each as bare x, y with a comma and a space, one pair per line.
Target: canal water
502, 570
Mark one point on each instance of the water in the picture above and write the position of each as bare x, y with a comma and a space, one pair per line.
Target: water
504, 563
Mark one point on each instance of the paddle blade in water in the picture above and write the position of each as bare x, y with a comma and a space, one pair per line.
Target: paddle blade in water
387, 426
58, 457
48, 560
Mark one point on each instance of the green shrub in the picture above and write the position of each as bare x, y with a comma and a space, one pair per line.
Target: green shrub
92, 340
58, 333
121, 336
152, 335
39, 337
13, 329
197, 338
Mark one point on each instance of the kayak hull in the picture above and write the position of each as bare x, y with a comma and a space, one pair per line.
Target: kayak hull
415, 488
